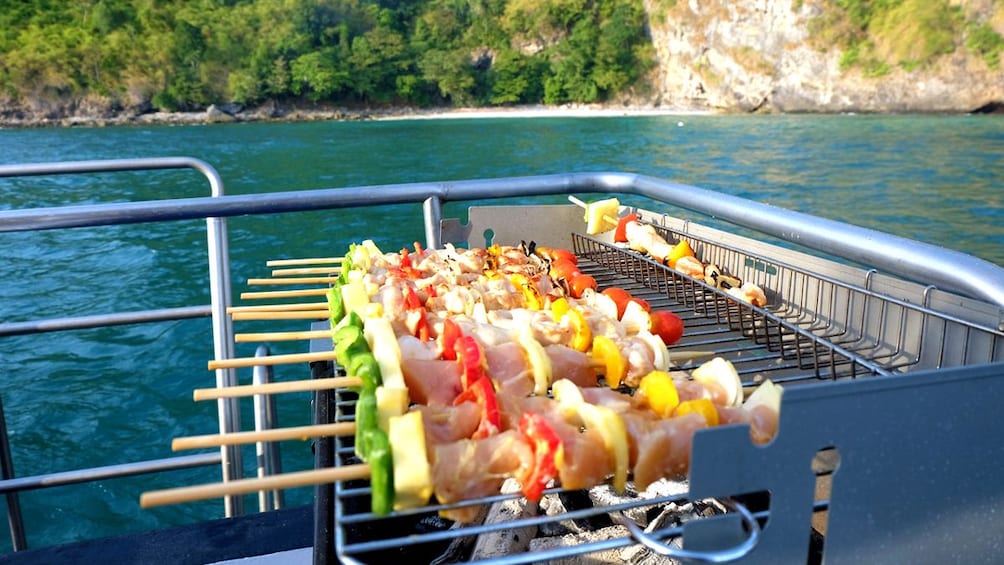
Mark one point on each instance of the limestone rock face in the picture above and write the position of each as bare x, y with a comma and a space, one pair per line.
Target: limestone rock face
757, 55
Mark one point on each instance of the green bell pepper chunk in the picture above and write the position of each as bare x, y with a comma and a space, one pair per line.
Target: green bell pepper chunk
336, 308
381, 472
365, 366
343, 276
366, 420
349, 341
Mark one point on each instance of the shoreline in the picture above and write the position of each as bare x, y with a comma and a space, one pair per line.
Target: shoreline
291, 114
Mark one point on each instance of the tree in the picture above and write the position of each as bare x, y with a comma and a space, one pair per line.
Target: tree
318, 75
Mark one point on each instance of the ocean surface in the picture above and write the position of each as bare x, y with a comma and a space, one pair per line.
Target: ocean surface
97, 397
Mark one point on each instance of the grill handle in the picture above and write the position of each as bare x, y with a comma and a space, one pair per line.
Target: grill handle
720, 556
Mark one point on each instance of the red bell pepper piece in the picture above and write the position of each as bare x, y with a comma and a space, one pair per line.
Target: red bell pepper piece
547, 454
416, 318
620, 233
448, 339
483, 392
407, 268
411, 300
472, 360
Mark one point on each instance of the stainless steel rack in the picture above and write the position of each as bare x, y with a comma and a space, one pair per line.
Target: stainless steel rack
826, 325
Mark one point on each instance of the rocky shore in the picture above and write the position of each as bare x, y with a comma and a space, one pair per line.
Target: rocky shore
89, 115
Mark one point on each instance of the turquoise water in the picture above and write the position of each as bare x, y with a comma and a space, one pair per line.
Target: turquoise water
87, 398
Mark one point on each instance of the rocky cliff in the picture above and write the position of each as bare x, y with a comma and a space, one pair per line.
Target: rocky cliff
779, 56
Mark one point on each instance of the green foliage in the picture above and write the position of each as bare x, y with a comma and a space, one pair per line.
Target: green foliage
186, 54
982, 39
876, 36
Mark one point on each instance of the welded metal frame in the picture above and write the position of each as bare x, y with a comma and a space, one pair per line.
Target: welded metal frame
229, 457
943, 268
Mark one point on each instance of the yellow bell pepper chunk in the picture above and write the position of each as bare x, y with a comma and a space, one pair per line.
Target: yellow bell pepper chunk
679, 250
611, 427
559, 307
534, 301
582, 336
701, 406
659, 391
608, 356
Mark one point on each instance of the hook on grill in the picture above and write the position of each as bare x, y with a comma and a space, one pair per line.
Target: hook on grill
722, 556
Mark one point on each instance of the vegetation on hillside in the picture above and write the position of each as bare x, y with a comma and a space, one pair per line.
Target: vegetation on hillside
876, 36
186, 54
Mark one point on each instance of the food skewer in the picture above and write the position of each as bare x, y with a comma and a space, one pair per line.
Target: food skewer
245, 362
316, 314
284, 293
278, 434
596, 416
279, 307
291, 280
305, 261
306, 271
281, 336
275, 388
246, 486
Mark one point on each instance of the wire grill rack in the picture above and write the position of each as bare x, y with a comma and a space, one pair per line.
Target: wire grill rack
813, 328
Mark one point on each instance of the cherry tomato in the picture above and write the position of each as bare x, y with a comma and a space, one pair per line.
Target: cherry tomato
563, 269
620, 297
579, 283
557, 253
667, 325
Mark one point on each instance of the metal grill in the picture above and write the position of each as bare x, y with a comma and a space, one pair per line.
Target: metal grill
814, 328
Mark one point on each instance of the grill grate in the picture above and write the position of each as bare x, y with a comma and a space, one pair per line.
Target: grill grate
813, 328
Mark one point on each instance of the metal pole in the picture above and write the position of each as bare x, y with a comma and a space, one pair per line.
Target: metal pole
433, 212
14, 518
223, 341
265, 418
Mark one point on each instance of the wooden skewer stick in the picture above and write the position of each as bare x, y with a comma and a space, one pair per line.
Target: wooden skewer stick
291, 280
281, 336
246, 486
243, 362
275, 388
305, 261
284, 293
278, 307
292, 315
682, 355
306, 271
280, 434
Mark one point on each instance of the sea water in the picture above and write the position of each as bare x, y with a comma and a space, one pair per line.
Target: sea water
116, 395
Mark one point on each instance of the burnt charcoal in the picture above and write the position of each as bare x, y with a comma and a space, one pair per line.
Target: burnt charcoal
551, 505
580, 500
510, 540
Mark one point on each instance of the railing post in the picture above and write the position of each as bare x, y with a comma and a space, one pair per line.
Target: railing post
223, 341
14, 518
432, 209
265, 418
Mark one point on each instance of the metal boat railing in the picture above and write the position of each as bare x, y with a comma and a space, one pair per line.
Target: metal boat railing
947, 270
229, 458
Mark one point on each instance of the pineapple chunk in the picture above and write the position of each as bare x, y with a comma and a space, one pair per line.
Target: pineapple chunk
601, 215
412, 473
